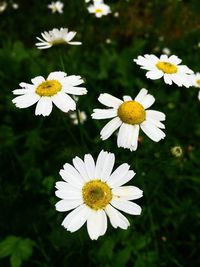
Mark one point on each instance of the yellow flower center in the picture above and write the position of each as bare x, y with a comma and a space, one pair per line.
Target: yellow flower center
167, 67
131, 112
198, 82
96, 194
57, 41
98, 10
49, 88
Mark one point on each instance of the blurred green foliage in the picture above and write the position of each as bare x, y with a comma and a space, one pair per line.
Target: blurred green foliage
33, 149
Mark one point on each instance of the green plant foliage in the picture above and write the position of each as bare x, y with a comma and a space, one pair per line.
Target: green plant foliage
33, 149
19, 249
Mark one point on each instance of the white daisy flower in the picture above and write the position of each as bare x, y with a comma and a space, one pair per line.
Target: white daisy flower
15, 5
55, 37
129, 115
82, 117
196, 79
56, 7
92, 191
99, 9
55, 89
166, 51
167, 67
3, 6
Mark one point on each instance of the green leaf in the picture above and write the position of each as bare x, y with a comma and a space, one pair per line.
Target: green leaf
18, 248
6, 246
123, 257
15, 260
146, 259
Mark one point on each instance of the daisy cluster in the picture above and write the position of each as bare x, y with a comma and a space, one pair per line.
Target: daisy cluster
93, 191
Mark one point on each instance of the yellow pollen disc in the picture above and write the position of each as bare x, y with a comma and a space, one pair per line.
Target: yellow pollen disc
58, 41
96, 194
167, 67
131, 112
198, 82
49, 88
98, 10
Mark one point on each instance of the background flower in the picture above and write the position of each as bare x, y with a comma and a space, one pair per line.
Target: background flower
46, 92
56, 7
56, 37
167, 67
128, 116
99, 8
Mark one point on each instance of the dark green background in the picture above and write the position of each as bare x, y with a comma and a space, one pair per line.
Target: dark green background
34, 149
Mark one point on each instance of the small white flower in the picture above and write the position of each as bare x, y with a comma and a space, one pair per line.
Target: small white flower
116, 14
15, 5
56, 7
99, 9
55, 89
166, 67
3, 6
196, 79
94, 192
108, 41
129, 115
166, 51
55, 37
82, 117
199, 95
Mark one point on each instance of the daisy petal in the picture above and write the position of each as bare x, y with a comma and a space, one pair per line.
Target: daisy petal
147, 101
64, 102
97, 224
104, 113
27, 100
74, 90
154, 74
152, 131
127, 98
90, 166
127, 192
66, 204
110, 127
116, 218
143, 92
135, 134
56, 75
155, 115
67, 191
174, 59
80, 166
70, 175
76, 219
109, 100
167, 79
75, 43
37, 80
44, 106
108, 167
127, 135
118, 175
126, 206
